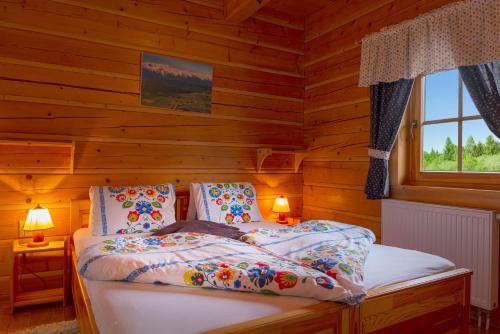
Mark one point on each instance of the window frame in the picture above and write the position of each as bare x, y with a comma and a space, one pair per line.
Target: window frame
416, 123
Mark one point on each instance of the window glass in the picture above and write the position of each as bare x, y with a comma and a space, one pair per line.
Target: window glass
446, 113
480, 149
440, 147
441, 95
469, 108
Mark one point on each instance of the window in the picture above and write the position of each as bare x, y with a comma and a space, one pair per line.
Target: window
449, 134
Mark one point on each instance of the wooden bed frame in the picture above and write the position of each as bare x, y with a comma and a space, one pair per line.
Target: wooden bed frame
437, 303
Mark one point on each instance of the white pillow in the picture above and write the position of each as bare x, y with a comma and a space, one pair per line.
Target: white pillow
131, 209
225, 203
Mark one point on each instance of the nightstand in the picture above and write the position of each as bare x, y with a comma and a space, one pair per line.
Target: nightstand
20, 298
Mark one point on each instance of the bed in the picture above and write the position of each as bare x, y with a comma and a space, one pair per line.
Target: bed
431, 298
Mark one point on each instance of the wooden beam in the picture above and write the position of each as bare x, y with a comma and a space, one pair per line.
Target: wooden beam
239, 10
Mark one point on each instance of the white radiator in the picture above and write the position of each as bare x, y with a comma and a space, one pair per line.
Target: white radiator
467, 237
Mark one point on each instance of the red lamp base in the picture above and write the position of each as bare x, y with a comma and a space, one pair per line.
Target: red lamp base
38, 240
282, 219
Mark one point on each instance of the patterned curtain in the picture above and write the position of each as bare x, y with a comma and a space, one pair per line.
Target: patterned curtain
388, 103
483, 84
458, 34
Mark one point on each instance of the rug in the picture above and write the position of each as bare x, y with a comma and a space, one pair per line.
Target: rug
63, 327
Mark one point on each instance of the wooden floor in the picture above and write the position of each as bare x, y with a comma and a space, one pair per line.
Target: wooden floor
43, 314
32, 316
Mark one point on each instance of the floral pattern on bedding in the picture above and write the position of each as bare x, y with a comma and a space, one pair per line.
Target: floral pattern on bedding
228, 276
205, 261
131, 209
229, 203
130, 244
338, 250
144, 204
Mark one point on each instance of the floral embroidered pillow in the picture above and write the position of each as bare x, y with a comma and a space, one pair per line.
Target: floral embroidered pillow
225, 203
131, 209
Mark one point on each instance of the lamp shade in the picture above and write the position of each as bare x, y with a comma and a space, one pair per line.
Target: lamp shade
38, 219
281, 205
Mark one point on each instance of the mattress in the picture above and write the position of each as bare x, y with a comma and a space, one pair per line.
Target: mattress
121, 307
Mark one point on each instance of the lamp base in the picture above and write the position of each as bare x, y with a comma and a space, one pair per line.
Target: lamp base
38, 240
282, 219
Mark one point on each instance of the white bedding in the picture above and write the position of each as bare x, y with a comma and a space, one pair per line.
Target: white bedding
121, 307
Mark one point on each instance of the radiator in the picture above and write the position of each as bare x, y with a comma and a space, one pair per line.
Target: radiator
467, 237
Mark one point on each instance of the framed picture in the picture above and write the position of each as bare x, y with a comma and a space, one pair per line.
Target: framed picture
176, 84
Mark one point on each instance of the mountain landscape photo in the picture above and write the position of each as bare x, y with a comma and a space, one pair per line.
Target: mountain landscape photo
175, 84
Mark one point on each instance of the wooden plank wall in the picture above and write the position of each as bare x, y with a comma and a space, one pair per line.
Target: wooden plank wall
69, 70
336, 110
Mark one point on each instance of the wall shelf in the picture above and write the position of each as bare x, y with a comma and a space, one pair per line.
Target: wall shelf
37, 157
263, 153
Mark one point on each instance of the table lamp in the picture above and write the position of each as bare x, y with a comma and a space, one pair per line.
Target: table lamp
281, 207
38, 219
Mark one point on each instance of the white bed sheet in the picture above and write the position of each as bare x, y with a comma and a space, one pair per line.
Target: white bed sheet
121, 307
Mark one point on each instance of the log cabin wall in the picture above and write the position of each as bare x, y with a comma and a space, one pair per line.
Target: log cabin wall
70, 71
337, 111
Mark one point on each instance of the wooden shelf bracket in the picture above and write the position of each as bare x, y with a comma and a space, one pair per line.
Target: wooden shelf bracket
263, 153
299, 156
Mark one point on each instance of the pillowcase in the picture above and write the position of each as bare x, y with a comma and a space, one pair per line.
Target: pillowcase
225, 203
131, 209
201, 226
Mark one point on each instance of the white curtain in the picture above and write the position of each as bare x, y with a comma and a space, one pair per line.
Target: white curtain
463, 33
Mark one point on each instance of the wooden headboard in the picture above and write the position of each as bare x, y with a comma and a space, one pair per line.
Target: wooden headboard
80, 210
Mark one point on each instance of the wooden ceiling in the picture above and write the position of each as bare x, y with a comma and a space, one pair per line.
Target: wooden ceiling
291, 12
298, 8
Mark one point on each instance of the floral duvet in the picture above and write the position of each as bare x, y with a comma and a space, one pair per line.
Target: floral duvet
202, 260
207, 261
336, 249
